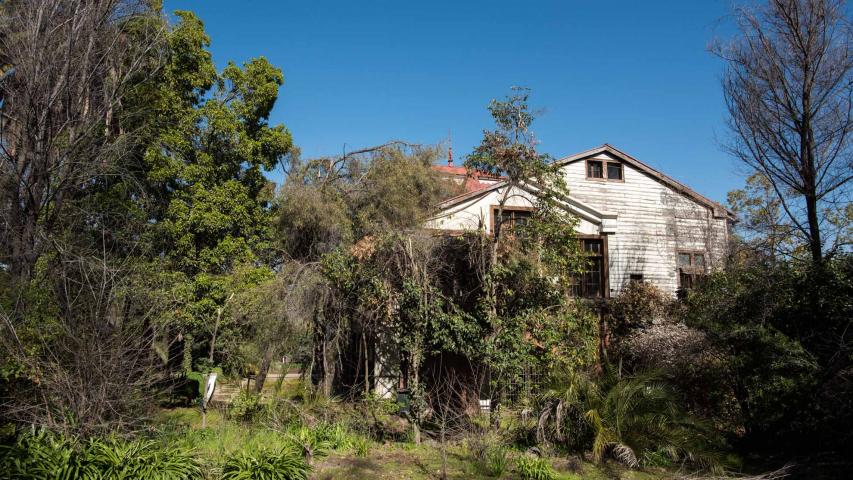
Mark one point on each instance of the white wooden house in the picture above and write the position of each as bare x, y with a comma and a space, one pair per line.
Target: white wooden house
635, 222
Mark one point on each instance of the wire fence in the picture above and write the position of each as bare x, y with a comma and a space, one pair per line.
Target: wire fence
523, 389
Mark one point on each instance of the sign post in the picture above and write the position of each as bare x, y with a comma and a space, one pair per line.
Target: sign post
208, 394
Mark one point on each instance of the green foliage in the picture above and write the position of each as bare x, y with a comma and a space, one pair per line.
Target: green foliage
245, 406
781, 328
207, 143
40, 454
526, 276
762, 219
534, 468
264, 464
329, 203
510, 149
360, 446
312, 442
117, 459
631, 419
492, 459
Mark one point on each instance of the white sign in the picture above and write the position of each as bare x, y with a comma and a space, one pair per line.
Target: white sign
209, 388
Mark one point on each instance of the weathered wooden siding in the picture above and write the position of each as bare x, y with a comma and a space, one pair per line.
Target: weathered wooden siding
475, 213
654, 222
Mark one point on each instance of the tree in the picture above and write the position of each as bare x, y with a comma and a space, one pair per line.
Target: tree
67, 68
77, 311
510, 152
273, 315
762, 221
789, 92
209, 143
528, 312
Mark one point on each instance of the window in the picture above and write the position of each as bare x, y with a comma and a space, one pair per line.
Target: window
513, 219
636, 278
691, 268
594, 169
614, 171
611, 171
591, 283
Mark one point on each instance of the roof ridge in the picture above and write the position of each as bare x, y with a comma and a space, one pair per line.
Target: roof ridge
666, 179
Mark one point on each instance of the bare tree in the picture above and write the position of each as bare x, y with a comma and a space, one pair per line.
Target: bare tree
452, 403
85, 355
789, 92
65, 68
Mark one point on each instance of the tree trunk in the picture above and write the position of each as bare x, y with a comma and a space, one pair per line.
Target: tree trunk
416, 427
265, 368
328, 370
815, 244
213, 338
366, 364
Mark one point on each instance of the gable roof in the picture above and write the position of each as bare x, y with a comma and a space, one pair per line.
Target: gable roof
718, 210
587, 212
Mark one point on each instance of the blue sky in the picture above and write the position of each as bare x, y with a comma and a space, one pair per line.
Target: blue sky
635, 74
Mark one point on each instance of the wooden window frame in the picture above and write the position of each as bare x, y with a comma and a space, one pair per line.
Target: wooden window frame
493, 210
604, 165
693, 270
605, 259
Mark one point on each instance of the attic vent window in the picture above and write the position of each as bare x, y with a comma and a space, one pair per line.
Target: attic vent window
599, 169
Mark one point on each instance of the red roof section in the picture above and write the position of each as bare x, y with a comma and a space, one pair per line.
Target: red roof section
450, 169
472, 182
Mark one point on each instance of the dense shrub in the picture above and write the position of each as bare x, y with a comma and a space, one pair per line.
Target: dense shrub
493, 460
687, 359
632, 419
245, 406
782, 330
638, 304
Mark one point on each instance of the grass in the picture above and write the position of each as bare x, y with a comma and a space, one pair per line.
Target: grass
392, 460
423, 462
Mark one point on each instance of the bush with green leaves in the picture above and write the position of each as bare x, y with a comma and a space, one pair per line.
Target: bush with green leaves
245, 406
264, 464
493, 460
338, 437
534, 468
310, 442
40, 454
120, 459
632, 419
783, 329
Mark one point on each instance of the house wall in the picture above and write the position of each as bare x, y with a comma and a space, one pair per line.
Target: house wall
475, 213
654, 222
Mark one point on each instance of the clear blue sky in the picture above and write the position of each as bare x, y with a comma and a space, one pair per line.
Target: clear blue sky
635, 74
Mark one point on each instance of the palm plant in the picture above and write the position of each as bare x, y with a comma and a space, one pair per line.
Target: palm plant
636, 420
